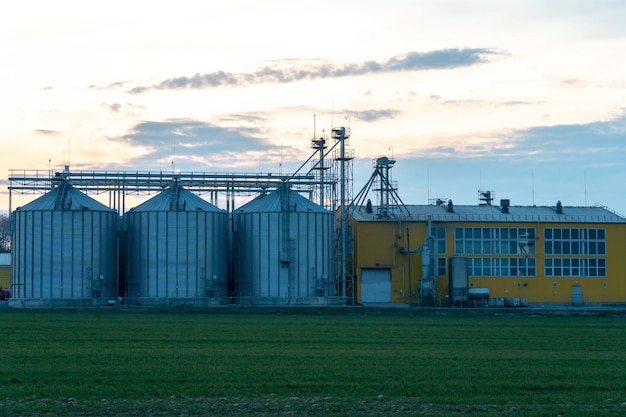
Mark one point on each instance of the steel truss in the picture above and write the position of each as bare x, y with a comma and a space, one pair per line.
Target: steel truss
122, 183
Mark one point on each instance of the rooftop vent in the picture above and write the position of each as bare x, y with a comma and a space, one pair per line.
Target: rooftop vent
559, 207
504, 206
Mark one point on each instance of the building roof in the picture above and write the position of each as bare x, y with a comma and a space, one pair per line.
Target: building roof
64, 197
491, 213
272, 203
176, 198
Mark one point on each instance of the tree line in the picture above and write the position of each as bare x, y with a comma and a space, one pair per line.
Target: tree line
5, 234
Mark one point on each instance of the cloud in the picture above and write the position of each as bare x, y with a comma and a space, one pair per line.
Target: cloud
293, 71
557, 154
573, 163
47, 132
520, 103
373, 115
596, 143
436, 99
112, 86
115, 107
128, 109
195, 145
586, 144
257, 118
263, 118
572, 82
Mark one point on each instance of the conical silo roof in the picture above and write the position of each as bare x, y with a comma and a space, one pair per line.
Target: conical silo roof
273, 202
176, 198
64, 197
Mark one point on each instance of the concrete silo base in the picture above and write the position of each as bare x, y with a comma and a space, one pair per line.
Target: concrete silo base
285, 301
177, 302
57, 302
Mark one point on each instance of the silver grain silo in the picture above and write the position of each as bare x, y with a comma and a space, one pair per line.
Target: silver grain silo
283, 246
64, 250
176, 247
457, 288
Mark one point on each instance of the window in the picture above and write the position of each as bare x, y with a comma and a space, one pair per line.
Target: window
575, 241
502, 267
575, 267
494, 240
548, 247
497, 241
441, 267
548, 267
571, 244
440, 235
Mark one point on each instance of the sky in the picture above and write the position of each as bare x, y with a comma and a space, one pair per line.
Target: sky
524, 98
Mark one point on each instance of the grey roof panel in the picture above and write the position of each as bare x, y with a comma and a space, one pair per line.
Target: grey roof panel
490, 213
187, 201
271, 203
64, 197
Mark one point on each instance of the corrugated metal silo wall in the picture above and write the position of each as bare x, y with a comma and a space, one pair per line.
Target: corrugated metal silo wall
273, 262
176, 254
63, 254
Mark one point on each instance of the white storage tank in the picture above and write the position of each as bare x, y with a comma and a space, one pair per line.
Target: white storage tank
478, 296
176, 247
283, 250
64, 250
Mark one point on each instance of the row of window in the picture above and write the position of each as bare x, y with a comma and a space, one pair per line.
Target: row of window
494, 240
574, 234
499, 233
575, 248
575, 267
576, 241
501, 267
478, 247
553, 267
521, 241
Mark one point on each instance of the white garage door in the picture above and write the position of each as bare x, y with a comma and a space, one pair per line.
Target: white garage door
375, 285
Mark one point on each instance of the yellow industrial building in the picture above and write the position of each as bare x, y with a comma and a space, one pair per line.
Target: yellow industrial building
425, 253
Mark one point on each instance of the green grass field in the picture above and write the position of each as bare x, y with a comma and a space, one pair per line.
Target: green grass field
344, 362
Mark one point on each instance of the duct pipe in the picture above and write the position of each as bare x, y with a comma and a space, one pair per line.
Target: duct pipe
408, 245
